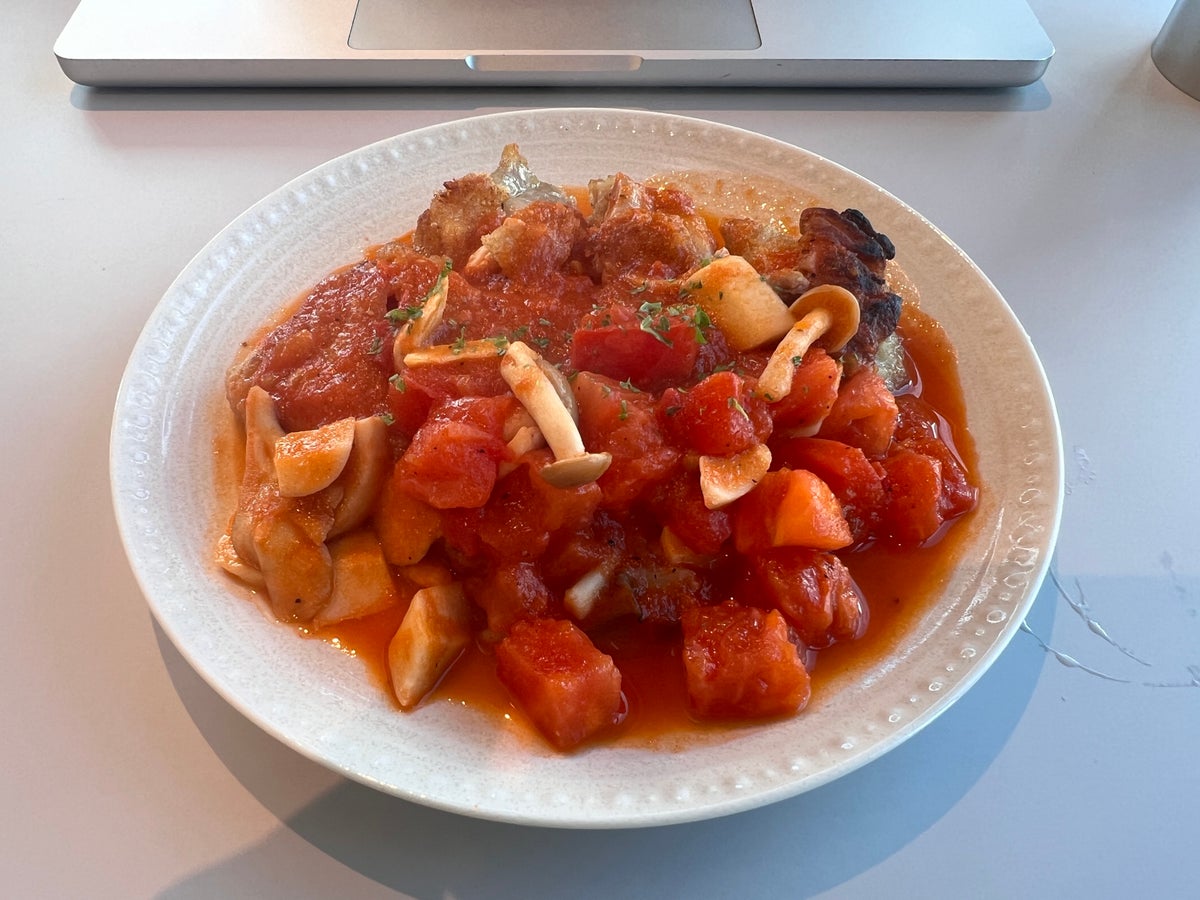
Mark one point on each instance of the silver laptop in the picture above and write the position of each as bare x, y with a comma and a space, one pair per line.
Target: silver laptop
806, 43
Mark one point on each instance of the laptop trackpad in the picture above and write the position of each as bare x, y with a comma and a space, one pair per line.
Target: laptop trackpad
497, 26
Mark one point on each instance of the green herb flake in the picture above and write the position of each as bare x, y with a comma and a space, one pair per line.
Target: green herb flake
734, 403
402, 315
376, 346
398, 383
624, 413
388, 418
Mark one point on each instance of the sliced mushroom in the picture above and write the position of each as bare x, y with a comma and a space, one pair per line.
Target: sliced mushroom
363, 476
310, 461
725, 478
528, 375
228, 559
434, 632
283, 538
827, 315
581, 597
362, 580
739, 302
444, 354
416, 332
262, 431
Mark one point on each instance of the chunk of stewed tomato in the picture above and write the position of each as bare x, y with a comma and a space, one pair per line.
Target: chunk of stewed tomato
814, 391
569, 689
864, 414
525, 511
856, 481
510, 593
452, 459
912, 511
679, 505
815, 592
649, 349
741, 664
720, 416
790, 508
622, 421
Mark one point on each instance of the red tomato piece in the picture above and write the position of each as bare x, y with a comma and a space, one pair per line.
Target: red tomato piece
679, 505
864, 414
815, 592
814, 391
622, 422
567, 687
406, 525
790, 508
460, 378
649, 350
331, 359
524, 511
741, 664
452, 459
912, 512
856, 481
511, 593
720, 416
922, 429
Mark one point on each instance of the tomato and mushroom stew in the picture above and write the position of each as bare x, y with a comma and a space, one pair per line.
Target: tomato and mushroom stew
597, 449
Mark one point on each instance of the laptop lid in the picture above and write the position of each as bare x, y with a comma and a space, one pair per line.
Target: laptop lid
807, 43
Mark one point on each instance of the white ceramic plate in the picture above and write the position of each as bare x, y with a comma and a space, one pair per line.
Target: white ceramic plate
320, 701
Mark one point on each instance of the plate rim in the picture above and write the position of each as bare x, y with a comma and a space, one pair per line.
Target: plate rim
731, 802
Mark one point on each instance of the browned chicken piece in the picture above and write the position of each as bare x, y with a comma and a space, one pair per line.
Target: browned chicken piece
459, 216
330, 360
832, 248
536, 241
844, 249
643, 232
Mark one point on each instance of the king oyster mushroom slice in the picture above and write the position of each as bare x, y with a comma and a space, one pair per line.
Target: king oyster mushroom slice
827, 315
417, 330
283, 538
725, 478
363, 476
739, 302
362, 580
434, 632
310, 461
528, 375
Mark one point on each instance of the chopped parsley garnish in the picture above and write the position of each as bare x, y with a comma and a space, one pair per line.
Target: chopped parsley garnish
404, 314
398, 383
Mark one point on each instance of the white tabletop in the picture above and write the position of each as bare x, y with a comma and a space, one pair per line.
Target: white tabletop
1067, 771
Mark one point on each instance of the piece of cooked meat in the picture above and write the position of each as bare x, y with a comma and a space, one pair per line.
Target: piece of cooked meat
641, 232
327, 361
459, 216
